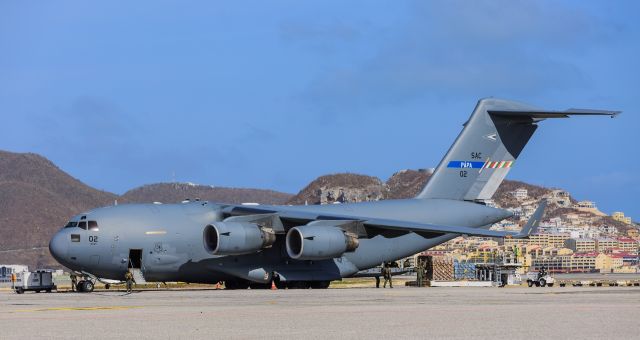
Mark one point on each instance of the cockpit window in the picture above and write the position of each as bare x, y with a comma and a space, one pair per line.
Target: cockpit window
71, 224
93, 225
82, 225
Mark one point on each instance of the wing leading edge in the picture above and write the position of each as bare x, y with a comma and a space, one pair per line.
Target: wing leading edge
396, 225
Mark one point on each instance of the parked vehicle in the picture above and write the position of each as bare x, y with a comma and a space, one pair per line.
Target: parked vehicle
540, 279
38, 281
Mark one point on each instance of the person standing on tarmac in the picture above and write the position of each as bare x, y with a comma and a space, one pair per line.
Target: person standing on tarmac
420, 274
130, 281
14, 278
74, 281
386, 273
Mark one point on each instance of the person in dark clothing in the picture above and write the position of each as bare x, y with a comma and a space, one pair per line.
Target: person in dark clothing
74, 282
420, 274
386, 271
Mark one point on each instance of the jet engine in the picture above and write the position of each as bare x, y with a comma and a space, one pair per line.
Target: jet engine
236, 238
318, 242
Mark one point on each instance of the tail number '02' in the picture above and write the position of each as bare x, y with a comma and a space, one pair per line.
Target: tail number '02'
93, 239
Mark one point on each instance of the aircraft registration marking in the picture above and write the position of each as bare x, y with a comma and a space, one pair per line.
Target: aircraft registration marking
76, 308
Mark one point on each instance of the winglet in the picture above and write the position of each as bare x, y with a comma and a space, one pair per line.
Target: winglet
532, 224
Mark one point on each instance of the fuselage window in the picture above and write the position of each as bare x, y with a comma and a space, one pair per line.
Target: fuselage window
82, 225
93, 225
71, 225
75, 238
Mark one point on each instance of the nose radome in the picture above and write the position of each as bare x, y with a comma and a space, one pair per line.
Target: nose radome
58, 246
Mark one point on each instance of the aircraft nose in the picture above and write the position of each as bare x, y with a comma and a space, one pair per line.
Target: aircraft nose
58, 246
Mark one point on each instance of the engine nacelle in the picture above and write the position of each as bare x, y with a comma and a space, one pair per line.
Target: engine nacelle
317, 242
236, 238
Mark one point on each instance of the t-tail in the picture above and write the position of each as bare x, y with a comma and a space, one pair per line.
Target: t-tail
488, 147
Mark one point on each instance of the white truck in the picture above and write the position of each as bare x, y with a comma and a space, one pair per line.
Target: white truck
40, 280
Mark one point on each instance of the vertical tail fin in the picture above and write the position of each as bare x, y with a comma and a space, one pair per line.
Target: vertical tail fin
487, 148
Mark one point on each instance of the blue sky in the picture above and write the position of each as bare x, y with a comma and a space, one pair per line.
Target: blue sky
274, 94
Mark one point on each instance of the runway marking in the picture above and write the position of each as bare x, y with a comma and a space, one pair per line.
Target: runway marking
76, 308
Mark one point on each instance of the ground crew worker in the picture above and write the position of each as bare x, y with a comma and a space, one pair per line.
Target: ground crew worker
14, 278
74, 282
542, 273
420, 274
130, 281
386, 271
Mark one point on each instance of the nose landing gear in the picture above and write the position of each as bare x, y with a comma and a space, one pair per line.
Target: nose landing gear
85, 286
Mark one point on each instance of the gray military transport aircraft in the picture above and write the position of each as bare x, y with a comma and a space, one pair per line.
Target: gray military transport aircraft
309, 246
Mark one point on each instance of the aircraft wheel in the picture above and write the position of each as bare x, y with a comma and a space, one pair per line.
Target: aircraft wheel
281, 284
80, 287
298, 285
20, 290
236, 284
255, 285
87, 287
549, 284
543, 282
229, 285
320, 284
48, 290
529, 283
107, 286
38, 291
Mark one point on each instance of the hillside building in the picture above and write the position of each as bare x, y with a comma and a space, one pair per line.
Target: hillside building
556, 240
560, 198
520, 194
581, 244
627, 244
586, 205
619, 216
608, 229
604, 244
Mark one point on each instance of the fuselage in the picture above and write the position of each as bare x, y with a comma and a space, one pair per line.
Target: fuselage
169, 240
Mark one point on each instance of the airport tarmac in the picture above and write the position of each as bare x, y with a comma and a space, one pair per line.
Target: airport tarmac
507, 313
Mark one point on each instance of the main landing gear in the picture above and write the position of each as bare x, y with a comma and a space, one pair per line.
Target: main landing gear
244, 284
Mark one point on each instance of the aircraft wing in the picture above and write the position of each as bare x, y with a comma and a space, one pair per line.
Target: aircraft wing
387, 224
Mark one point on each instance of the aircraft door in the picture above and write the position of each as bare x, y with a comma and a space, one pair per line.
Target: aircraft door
135, 258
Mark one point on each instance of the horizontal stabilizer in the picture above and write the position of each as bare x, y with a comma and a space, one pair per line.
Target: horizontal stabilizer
552, 114
534, 222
